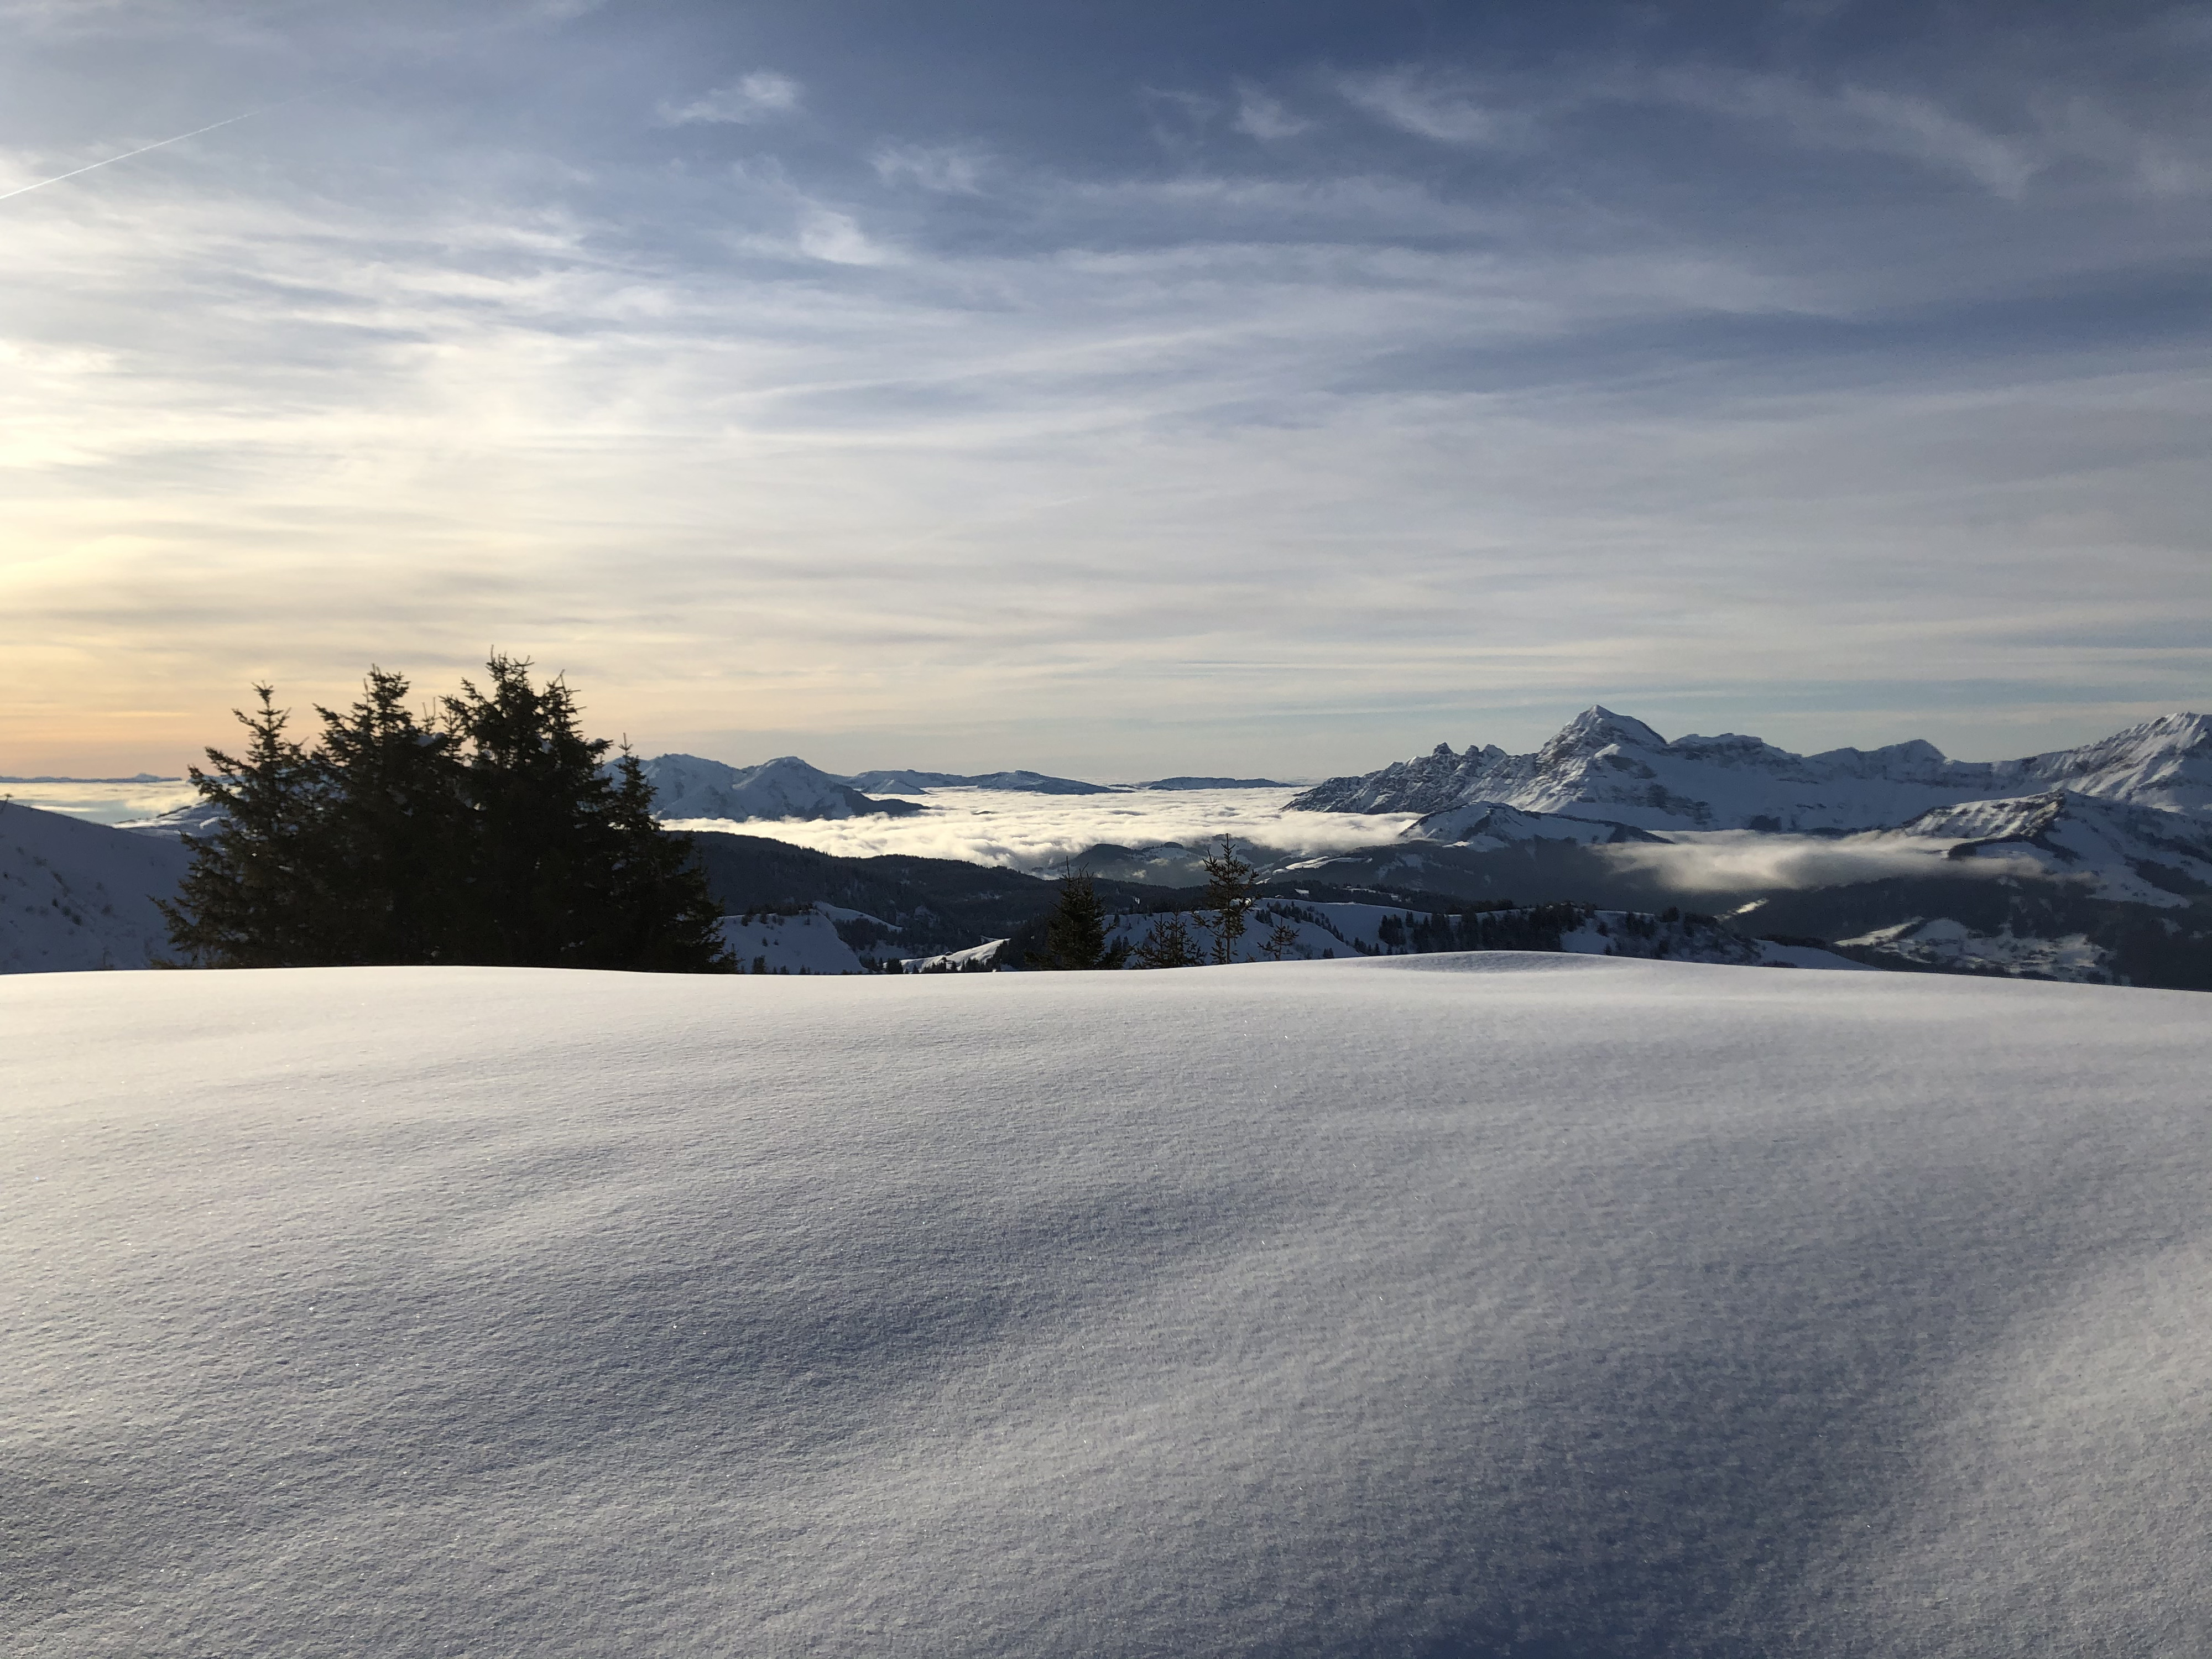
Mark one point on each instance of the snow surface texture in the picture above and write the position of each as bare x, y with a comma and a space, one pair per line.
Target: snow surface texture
1606, 766
75, 895
1022, 831
1435, 1306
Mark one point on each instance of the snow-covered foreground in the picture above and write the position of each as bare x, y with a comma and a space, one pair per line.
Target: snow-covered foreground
1435, 1306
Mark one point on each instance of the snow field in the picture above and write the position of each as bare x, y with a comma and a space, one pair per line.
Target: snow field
1432, 1305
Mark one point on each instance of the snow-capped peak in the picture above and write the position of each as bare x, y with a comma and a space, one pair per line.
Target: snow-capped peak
686, 788
1596, 726
1604, 765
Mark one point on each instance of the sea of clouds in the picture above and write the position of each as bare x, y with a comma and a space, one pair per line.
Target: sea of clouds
1038, 832
100, 800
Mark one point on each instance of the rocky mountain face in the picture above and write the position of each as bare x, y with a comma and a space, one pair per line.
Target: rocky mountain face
1611, 767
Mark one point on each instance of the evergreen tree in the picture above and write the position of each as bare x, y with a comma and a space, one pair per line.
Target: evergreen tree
1230, 889
1075, 937
393, 838
534, 786
495, 835
658, 914
255, 896
1168, 942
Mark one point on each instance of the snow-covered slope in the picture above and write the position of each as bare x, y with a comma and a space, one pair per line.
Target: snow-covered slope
1441, 1306
2137, 854
777, 942
687, 787
75, 895
1487, 825
1283, 930
1606, 766
909, 783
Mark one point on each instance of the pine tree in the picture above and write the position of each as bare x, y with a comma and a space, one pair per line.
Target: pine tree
255, 896
657, 915
1168, 942
532, 785
493, 835
1075, 938
394, 834
1230, 889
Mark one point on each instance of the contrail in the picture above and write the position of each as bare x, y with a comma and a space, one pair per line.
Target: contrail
229, 120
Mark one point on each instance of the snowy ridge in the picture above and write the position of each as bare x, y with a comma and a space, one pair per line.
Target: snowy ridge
2135, 855
684, 787
75, 895
1607, 765
1487, 825
909, 783
1444, 1306
806, 941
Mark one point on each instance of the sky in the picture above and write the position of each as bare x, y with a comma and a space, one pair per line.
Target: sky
1111, 389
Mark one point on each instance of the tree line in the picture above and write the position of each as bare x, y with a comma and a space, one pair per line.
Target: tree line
1075, 937
487, 829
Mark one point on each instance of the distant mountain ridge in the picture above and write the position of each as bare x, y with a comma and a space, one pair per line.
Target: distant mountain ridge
1614, 768
688, 787
909, 781
1214, 783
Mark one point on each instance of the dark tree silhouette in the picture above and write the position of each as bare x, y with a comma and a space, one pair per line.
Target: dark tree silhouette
1168, 942
1231, 884
254, 897
1075, 937
490, 833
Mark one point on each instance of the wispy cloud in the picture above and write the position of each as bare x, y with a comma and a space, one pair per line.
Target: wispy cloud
837, 238
1280, 458
1429, 107
762, 96
949, 170
1908, 125
1265, 118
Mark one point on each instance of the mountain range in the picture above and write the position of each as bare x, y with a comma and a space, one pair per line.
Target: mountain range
1609, 767
2089, 863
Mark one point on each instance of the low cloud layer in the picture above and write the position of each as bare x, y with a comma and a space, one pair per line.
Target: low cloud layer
1040, 832
1743, 860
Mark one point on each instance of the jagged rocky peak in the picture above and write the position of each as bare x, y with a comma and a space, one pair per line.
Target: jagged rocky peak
1608, 767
